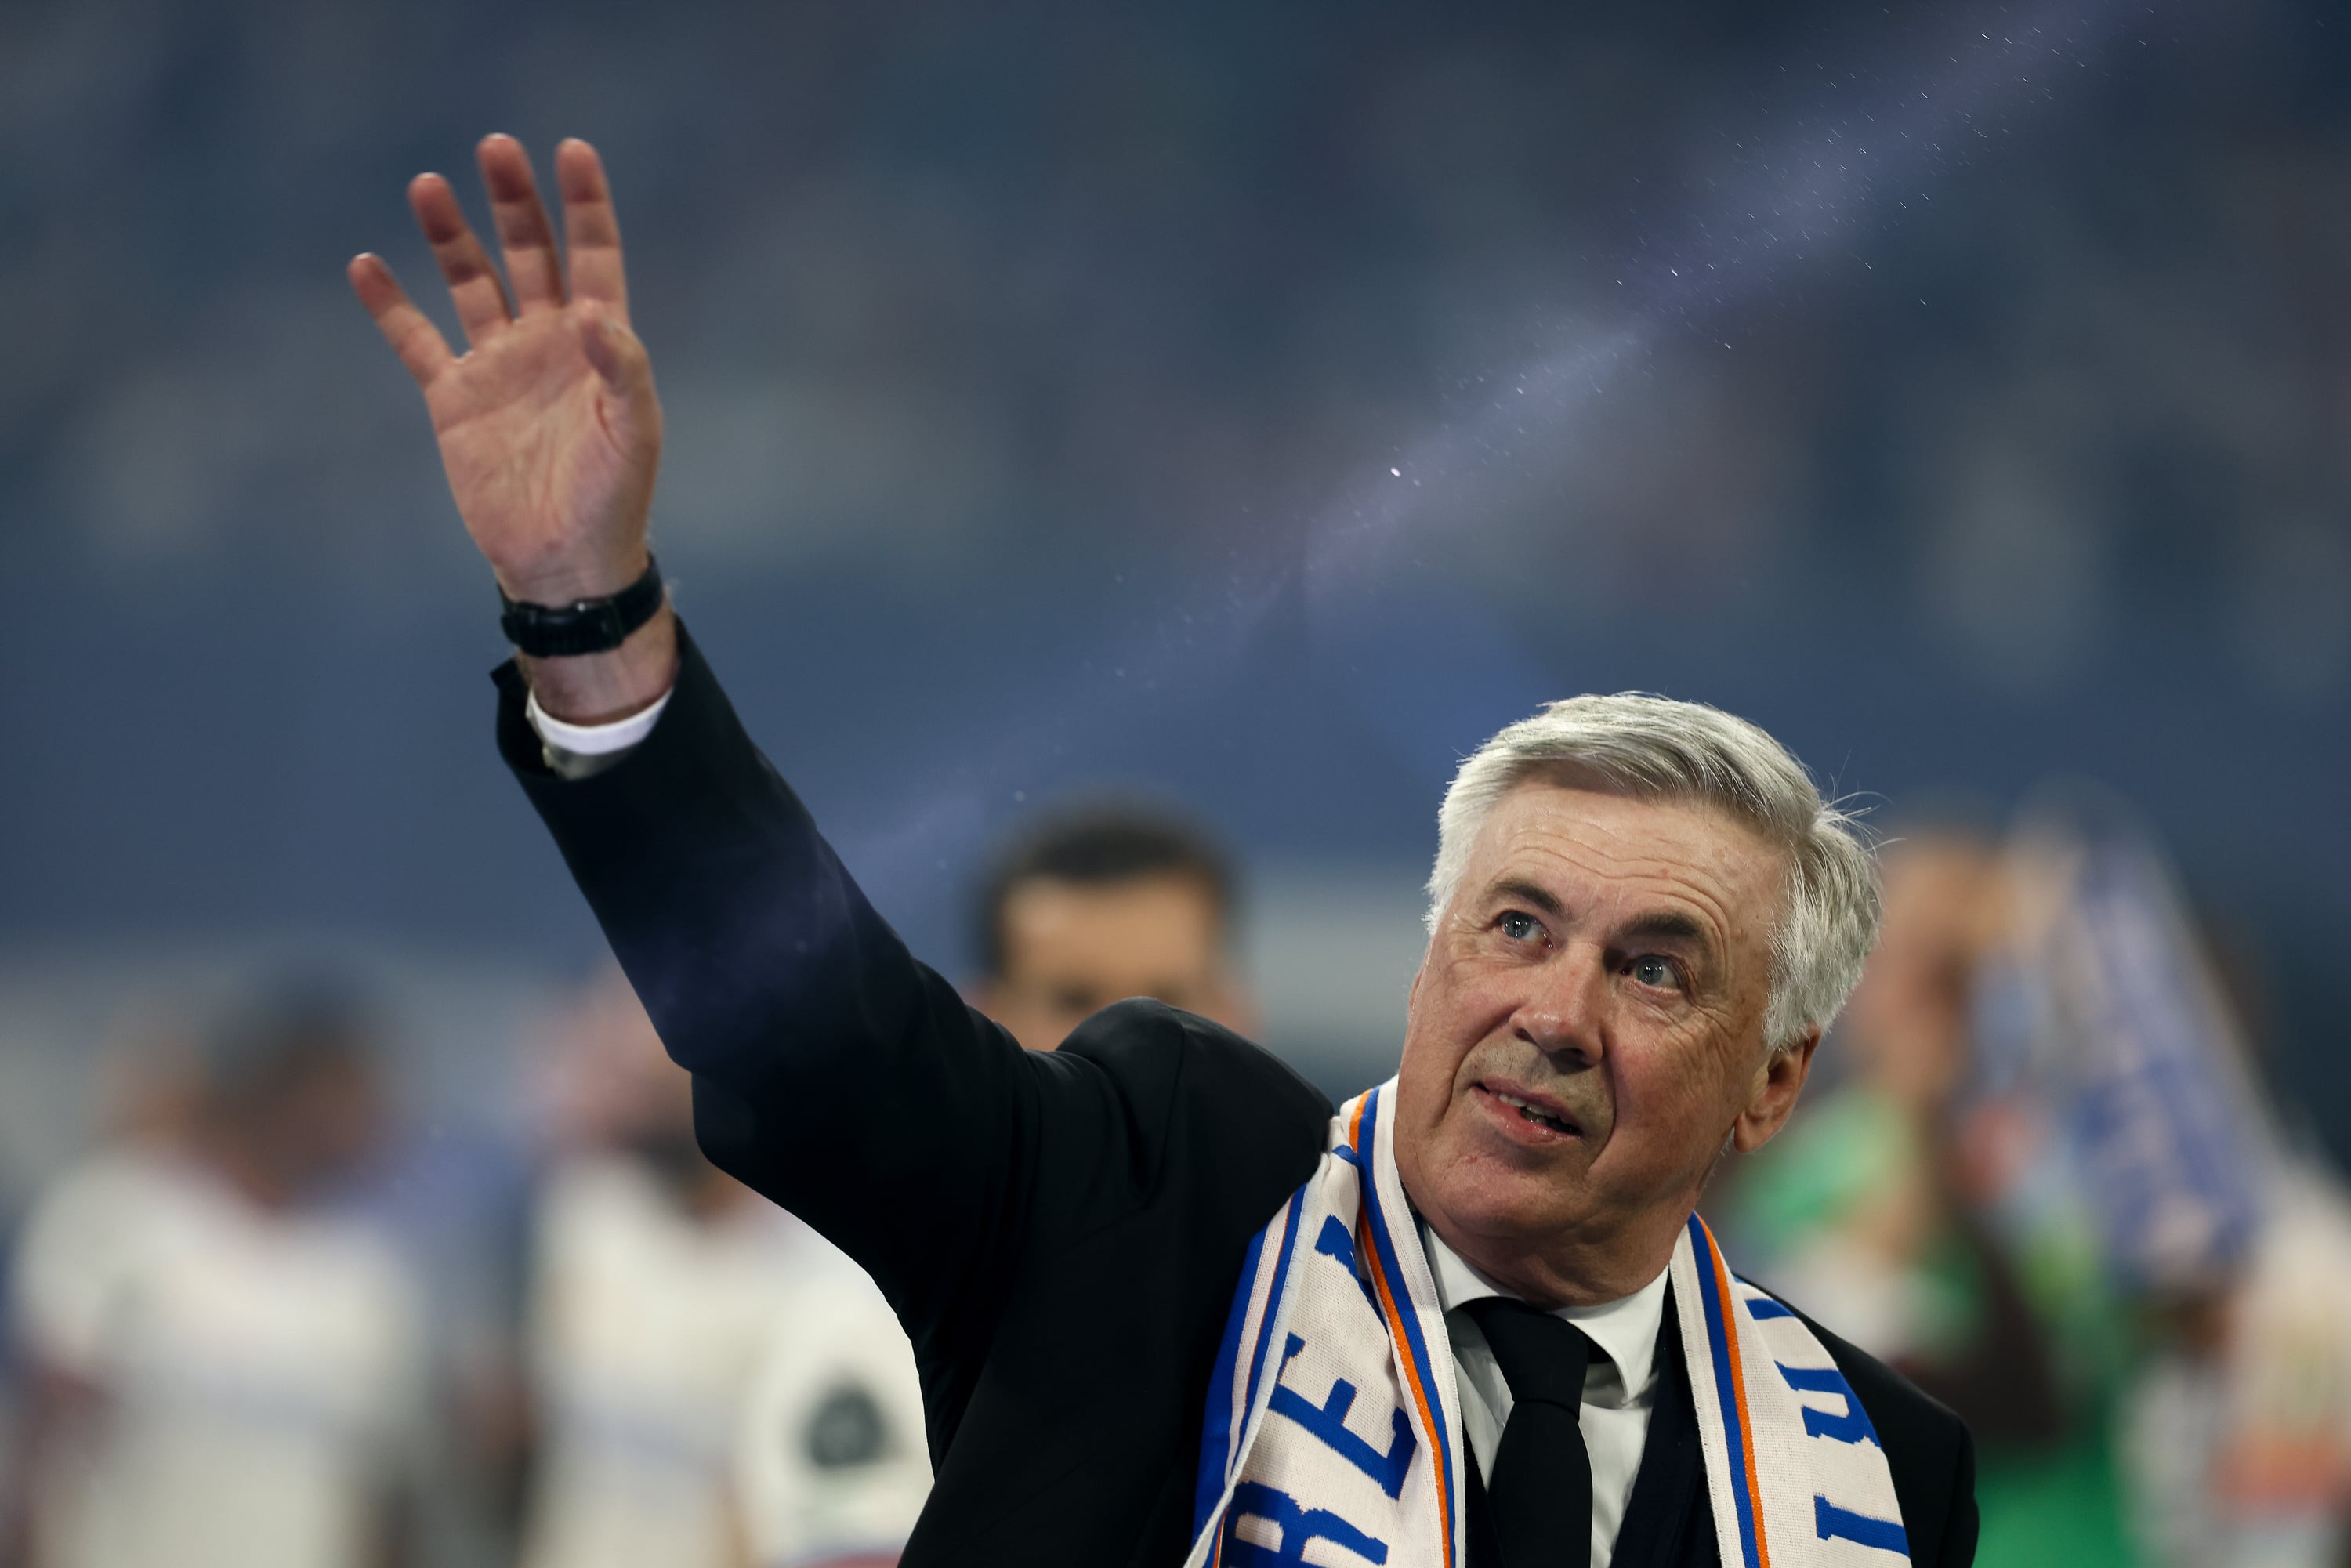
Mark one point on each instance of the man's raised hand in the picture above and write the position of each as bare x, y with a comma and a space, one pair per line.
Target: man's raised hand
547, 425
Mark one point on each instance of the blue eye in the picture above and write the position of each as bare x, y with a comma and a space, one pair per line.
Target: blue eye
1655, 971
1520, 926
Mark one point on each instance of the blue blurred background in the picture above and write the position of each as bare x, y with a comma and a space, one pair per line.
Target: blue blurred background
1962, 395
1253, 404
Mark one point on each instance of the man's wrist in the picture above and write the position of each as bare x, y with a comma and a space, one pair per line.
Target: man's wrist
583, 626
568, 579
604, 688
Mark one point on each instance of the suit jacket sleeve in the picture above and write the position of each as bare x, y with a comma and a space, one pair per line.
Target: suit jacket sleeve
832, 1072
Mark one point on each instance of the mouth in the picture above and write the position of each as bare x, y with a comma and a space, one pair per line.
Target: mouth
1509, 1102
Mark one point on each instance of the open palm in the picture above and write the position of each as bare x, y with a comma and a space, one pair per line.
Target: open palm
549, 427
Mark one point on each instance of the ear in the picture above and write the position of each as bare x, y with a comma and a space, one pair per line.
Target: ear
1777, 1084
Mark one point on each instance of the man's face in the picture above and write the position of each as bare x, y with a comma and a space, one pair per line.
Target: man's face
1071, 949
1586, 1030
1944, 905
312, 1128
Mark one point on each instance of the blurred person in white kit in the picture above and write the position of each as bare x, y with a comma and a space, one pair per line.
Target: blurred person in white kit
659, 1286
224, 1365
1089, 904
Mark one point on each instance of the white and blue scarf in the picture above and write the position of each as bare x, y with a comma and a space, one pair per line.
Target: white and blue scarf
1336, 1329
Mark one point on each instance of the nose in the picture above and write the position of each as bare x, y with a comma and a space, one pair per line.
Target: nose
1565, 1015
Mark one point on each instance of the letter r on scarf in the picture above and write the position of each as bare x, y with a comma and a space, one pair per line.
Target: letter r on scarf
1853, 1427
1335, 1243
1328, 1422
1297, 1526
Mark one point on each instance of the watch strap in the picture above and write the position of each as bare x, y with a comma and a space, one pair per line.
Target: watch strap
584, 625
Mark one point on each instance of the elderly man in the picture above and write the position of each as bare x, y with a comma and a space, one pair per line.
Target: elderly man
1167, 1307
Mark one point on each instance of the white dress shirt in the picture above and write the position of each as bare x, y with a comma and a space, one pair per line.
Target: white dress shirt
1619, 1391
582, 750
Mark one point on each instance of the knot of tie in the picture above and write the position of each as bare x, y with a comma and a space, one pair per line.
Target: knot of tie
1543, 1358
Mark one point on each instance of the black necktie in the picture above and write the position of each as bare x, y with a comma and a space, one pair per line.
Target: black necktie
1539, 1496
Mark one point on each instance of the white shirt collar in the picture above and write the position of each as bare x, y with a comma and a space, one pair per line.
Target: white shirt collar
1626, 1329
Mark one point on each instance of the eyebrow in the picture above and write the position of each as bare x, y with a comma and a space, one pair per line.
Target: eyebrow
1667, 925
1525, 892
1674, 926
1670, 924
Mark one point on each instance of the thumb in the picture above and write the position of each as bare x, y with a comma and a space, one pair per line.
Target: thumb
618, 354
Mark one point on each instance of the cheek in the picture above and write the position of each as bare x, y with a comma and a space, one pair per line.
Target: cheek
1465, 1003
1434, 1044
1681, 1084
1424, 1076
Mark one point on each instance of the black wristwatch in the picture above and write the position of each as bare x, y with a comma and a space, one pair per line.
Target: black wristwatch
584, 625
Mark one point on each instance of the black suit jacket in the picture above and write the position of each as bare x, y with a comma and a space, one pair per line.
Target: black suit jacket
1059, 1233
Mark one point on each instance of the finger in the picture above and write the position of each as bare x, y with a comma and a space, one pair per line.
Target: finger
474, 284
412, 334
532, 266
591, 228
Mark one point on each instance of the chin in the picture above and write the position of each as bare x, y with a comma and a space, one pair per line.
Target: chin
1500, 1203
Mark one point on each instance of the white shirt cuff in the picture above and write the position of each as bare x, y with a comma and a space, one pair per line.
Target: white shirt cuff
581, 750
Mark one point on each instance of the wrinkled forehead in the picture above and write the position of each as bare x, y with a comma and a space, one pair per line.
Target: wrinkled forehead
1601, 841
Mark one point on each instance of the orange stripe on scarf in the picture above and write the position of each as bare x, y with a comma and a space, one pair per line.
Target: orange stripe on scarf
1396, 1340
1739, 1388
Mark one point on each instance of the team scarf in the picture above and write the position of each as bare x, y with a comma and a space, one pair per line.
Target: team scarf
1333, 1420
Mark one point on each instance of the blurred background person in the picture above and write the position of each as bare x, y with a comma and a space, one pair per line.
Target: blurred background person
831, 1456
1873, 1204
2235, 1432
222, 1364
2221, 1231
1095, 903
2048, 1190
659, 1287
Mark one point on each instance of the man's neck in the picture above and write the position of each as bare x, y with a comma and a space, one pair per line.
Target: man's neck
1579, 1275
1624, 1329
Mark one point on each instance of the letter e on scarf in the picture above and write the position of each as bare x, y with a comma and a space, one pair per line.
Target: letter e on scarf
1328, 1421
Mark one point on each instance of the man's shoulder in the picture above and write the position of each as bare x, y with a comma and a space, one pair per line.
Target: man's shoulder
1164, 1052
1190, 1080
1928, 1449
1879, 1386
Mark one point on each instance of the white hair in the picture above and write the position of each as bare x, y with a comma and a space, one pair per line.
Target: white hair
1654, 749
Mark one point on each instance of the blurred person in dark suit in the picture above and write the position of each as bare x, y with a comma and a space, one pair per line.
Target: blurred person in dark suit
1642, 917
1096, 903
224, 1367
